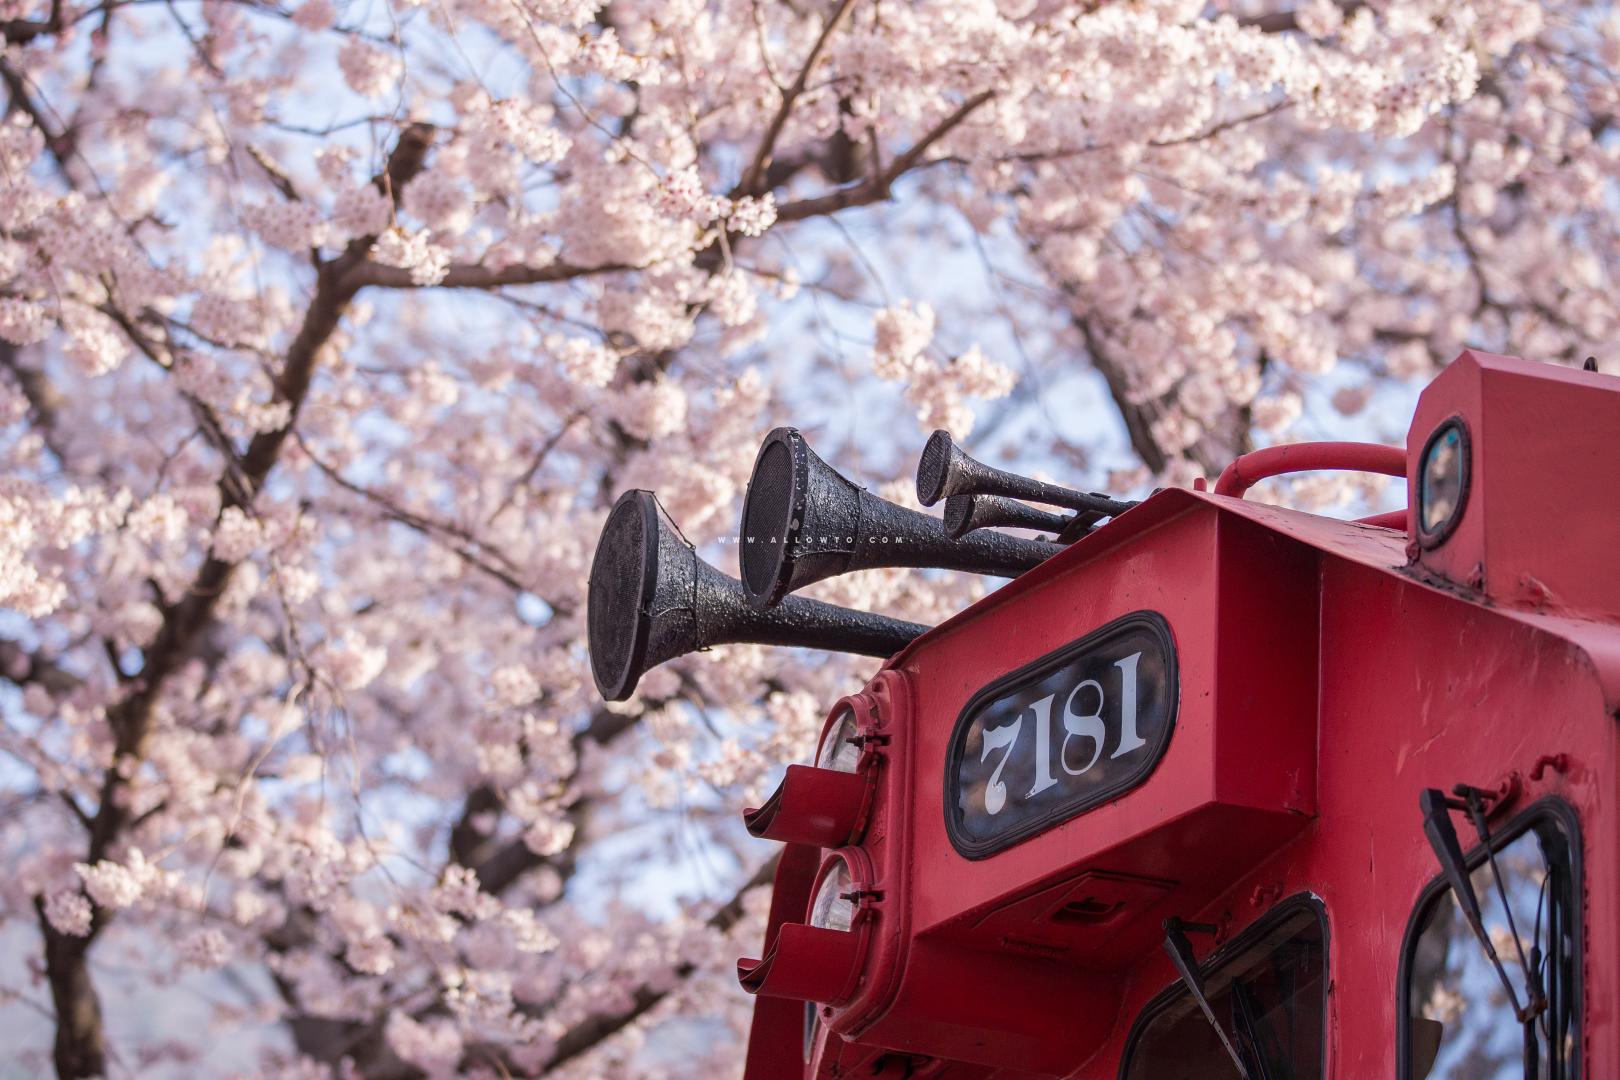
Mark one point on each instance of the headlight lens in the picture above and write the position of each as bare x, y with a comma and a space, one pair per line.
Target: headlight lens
832, 909
1442, 481
839, 750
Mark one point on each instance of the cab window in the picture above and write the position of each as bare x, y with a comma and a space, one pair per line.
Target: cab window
1268, 987
1458, 1022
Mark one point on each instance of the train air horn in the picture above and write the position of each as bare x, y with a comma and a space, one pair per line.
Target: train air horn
652, 599
803, 522
945, 469
968, 513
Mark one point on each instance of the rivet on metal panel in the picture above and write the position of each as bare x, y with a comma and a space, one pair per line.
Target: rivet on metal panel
1265, 895
1558, 763
1534, 590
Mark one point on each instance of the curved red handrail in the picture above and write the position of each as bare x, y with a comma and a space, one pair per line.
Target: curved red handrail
1251, 468
1394, 519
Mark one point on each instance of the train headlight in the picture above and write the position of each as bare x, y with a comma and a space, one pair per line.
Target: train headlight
1442, 482
826, 805
833, 907
841, 743
821, 959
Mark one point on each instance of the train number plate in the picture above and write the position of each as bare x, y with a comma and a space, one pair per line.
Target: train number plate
1079, 726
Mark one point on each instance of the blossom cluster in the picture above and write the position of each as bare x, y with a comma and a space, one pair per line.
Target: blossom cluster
325, 348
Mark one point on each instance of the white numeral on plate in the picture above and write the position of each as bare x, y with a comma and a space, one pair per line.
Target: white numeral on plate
995, 793
1076, 725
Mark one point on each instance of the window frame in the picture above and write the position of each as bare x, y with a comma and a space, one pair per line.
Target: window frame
1563, 816
1245, 939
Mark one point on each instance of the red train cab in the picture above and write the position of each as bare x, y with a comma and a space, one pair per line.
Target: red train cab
1212, 788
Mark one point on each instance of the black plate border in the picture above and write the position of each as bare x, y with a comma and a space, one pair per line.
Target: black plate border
972, 849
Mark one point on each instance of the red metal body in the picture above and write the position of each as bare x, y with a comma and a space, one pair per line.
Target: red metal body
1328, 671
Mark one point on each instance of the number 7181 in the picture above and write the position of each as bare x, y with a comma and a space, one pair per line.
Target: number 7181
1076, 725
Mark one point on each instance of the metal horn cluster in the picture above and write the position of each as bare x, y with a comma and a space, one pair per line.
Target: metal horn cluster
978, 495
805, 522
652, 599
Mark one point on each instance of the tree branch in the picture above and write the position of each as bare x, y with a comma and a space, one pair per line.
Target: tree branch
463, 544
80, 1047
753, 178
22, 31
80, 1042
21, 667
44, 400
879, 187
1137, 415
467, 276
1278, 22
497, 870
590, 1033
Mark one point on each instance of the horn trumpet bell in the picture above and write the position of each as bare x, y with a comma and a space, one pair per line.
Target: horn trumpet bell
803, 522
652, 599
945, 469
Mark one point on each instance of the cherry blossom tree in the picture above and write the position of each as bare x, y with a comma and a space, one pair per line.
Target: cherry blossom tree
328, 332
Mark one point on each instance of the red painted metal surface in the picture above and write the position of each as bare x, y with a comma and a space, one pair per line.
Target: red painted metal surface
1329, 671
1539, 530
772, 1049
812, 806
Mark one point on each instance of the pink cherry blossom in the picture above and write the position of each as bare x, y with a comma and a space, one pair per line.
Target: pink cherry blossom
329, 333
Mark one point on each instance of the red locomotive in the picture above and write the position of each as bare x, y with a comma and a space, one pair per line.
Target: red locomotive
1212, 788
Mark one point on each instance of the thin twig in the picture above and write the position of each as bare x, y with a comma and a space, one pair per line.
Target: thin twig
879, 187
445, 534
753, 177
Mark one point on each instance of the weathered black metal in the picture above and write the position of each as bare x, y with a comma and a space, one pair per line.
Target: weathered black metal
804, 522
966, 513
652, 599
945, 469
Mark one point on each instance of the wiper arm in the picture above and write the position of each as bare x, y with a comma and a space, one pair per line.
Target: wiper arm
1181, 955
1248, 1021
1448, 852
1474, 802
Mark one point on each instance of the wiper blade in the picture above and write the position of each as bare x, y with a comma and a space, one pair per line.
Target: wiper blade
1246, 1013
1474, 802
1181, 955
1442, 836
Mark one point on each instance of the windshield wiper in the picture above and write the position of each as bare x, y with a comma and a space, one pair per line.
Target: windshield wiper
1448, 852
1247, 1014
1181, 955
